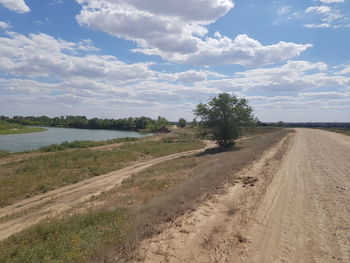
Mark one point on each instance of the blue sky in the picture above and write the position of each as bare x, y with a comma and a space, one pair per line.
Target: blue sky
121, 58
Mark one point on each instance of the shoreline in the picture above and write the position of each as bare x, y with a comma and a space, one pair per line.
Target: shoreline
22, 131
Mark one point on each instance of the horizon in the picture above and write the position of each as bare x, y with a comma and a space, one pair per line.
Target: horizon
109, 59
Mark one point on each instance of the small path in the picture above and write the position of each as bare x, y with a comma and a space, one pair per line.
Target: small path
32, 210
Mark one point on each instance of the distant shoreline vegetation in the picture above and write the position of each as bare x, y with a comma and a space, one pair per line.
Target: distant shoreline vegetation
141, 124
7, 128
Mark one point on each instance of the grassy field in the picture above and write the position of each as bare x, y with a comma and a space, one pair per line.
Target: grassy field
82, 238
83, 144
136, 209
4, 153
23, 130
343, 131
13, 128
43, 173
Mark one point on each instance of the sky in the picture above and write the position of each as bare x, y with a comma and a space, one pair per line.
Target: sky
121, 58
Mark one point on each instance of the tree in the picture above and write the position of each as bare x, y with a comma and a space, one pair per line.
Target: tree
224, 116
181, 123
280, 124
159, 125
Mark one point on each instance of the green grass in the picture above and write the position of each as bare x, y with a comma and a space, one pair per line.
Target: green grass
82, 144
4, 125
22, 130
164, 147
4, 153
340, 130
43, 173
113, 234
78, 239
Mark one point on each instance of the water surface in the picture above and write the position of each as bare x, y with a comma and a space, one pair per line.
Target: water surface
33, 141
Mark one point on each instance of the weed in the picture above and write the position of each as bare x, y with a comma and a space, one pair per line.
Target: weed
46, 172
80, 238
4, 153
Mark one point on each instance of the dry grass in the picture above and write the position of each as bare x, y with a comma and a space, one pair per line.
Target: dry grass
46, 172
4, 153
345, 131
158, 195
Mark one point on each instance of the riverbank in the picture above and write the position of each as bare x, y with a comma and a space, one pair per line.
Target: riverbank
45, 172
110, 226
22, 130
58, 136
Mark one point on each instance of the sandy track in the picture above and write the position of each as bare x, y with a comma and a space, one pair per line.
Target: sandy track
303, 215
32, 210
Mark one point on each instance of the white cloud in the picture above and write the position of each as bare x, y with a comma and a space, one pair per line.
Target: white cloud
41, 55
325, 95
290, 78
27, 86
242, 50
331, 1
177, 31
18, 6
318, 9
324, 25
345, 71
283, 10
330, 17
4, 25
192, 76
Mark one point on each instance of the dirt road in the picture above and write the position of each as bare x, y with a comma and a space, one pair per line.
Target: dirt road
298, 211
25, 213
305, 215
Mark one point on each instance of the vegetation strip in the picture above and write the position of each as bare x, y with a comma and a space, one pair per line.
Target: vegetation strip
43, 173
15, 128
111, 233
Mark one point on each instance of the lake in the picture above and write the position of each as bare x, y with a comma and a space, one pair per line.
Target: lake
33, 141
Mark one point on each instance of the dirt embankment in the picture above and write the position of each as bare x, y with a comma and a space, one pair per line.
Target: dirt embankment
292, 207
25, 213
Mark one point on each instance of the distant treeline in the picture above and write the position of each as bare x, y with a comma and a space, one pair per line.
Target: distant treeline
144, 124
342, 125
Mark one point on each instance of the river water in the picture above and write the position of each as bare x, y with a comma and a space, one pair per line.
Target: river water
33, 141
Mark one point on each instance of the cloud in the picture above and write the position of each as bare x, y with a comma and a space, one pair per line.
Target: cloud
290, 78
325, 95
331, 1
192, 76
177, 32
318, 9
18, 6
305, 106
4, 25
324, 25
345, 71
330, 17
283, 10
41, 55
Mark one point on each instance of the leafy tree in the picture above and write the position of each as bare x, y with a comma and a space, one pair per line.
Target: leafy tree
182, 123
223, 117
280, 124
158, 125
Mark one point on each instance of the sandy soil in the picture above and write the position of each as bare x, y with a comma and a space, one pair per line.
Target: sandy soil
297, 211
25, 213
305, 215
